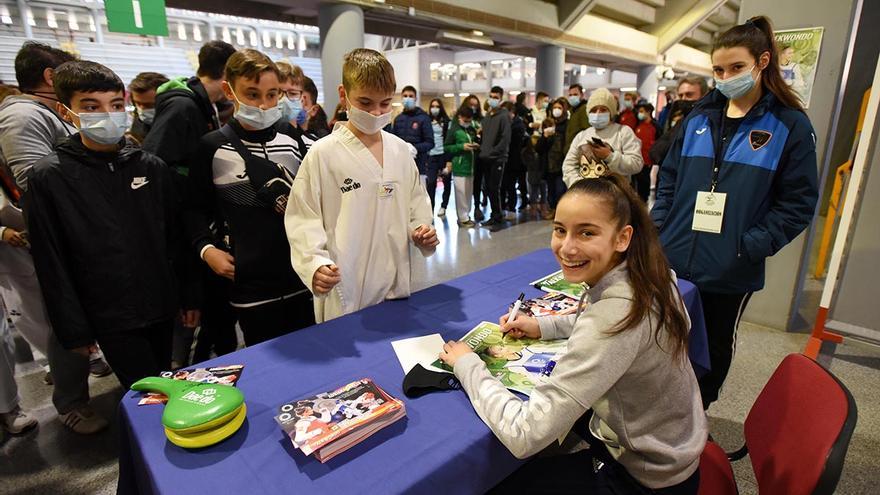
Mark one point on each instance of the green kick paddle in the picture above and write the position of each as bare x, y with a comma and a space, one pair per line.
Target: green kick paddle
194, 407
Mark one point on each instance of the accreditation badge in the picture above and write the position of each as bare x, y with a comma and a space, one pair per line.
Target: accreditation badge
709, 212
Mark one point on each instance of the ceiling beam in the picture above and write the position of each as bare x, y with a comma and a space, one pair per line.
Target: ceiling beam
571, 11
679, 18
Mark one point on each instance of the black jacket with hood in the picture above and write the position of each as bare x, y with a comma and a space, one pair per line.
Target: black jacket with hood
100, 226
184, 113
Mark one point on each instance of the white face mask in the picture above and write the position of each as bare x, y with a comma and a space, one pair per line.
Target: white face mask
147, 115
557, 112
255, 117
365, 121
102, 127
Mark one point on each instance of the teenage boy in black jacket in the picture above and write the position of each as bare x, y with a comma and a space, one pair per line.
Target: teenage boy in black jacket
243, 172
100, 216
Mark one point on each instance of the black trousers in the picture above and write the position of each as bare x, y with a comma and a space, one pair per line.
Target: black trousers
555, 188
512, 175
494, 176
592, 471
217, 329
276, 318
436, 164
642, 183
479, 180
139, 353
722, 313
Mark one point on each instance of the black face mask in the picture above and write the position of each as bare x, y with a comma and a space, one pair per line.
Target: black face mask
420, 381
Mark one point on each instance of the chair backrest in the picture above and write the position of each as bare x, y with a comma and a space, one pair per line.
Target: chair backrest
799, 428
716, 474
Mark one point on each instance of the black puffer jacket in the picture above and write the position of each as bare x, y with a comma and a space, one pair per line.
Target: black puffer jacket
100, 226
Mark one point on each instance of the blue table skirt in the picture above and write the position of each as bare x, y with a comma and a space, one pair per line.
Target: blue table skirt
441, 442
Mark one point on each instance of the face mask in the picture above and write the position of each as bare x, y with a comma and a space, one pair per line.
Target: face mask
409, 102
493, 102
642, 116
574, 100
147, 115
557, 112
736, 86
475, 108
599, 120
627, 104
543, 106
435, 111
367, 122
255, 117
464, 124
102, 127
290, 109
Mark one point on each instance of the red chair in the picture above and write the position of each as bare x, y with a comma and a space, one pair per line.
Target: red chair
796, 434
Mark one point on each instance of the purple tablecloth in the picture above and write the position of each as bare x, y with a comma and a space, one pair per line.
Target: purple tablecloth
441, 442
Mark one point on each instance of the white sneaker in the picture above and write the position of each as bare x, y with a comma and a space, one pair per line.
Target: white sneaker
441, 212
83, 420
17, 421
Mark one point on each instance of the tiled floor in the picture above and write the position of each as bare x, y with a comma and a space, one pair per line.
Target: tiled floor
53, 460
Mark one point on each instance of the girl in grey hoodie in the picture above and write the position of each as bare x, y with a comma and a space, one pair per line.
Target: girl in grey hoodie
626, 361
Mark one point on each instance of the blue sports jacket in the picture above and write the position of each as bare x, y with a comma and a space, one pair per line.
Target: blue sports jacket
414, 127
769, 174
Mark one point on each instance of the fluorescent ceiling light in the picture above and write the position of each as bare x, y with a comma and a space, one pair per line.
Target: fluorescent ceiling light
626, 90
449, 95
50, 19
267, 41
253, 38
197, 33
465, 37
5, 17
239, 36
72, 23
181, 31
290, 44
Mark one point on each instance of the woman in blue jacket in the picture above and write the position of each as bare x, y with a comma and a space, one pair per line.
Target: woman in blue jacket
738, 184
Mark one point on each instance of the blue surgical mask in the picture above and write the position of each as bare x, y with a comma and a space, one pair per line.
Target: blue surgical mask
642, 116
493, 102
290, 109
256, 117
574, 100
627, 104
409, 102
736, 86
599, 120
102, 127
147, 115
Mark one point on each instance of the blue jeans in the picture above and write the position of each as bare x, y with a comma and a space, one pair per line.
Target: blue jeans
436, 164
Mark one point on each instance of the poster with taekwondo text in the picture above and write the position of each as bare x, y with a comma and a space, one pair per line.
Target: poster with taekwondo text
799, 58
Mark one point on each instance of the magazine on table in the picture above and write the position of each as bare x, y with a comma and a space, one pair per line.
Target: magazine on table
519, 364
552, 304
332, 422
226, 375
556, 283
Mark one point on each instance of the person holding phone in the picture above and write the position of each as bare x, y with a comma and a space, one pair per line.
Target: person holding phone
605, 144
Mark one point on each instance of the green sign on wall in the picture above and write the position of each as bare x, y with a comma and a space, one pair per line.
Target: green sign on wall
137, 16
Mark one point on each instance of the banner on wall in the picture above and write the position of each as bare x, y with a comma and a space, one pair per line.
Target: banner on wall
799, 58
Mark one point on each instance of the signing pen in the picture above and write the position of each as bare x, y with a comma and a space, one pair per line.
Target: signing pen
516, 305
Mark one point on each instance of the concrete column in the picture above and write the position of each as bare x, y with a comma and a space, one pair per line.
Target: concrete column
646, 81
22, 13
342, 30
550, 70
99, 32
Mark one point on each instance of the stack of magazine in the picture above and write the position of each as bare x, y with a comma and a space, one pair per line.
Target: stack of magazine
332, 422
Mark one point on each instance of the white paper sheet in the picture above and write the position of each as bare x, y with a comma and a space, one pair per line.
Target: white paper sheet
419, 350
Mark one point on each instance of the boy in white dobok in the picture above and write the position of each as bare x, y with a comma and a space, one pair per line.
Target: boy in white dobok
357, 201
